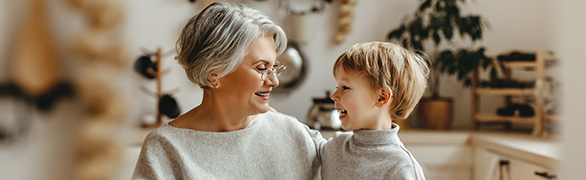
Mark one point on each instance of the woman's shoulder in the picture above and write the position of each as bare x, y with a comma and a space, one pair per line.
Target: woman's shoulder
277, 117
162, 134
281, 122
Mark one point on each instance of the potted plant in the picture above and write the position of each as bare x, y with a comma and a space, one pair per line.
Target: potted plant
429, 29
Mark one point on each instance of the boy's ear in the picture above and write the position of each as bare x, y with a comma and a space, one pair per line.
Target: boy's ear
385, 96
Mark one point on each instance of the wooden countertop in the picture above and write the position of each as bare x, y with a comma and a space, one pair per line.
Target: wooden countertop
542, 151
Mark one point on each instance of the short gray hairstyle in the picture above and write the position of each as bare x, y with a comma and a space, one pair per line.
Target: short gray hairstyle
216, 39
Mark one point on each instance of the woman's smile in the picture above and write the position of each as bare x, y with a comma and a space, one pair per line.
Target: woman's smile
263, 95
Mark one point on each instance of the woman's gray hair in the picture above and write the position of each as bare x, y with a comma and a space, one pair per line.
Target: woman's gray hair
216, 39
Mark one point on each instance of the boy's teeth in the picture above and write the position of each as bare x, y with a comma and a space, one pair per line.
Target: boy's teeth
342, 112
262, 94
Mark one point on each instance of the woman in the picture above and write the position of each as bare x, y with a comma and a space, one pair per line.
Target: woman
230, 51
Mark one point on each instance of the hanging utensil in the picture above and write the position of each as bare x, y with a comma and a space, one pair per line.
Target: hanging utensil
296, 70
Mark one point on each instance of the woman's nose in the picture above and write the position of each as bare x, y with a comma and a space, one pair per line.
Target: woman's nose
272, 80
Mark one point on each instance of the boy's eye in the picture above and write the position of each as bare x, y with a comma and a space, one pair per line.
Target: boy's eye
343, 87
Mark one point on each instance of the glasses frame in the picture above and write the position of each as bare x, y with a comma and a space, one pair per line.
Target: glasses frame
277, 69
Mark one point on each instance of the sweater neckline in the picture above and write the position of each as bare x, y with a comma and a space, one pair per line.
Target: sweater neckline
377, 137
250, 125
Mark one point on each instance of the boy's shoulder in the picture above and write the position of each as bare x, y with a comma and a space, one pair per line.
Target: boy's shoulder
342, 136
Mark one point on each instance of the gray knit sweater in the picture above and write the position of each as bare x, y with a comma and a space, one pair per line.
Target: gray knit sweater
272, 146
368, 154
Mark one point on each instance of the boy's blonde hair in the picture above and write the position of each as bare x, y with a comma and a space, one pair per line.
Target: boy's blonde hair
389, 65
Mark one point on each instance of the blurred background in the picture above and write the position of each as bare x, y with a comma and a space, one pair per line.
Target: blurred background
76, 100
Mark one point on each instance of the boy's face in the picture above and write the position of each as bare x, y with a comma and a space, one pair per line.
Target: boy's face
355, 98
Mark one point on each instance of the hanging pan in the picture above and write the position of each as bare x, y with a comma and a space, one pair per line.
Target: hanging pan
296, 69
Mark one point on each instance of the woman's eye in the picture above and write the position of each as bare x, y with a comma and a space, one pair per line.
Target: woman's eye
261, 68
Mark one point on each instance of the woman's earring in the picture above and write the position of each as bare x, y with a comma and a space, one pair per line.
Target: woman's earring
216, 86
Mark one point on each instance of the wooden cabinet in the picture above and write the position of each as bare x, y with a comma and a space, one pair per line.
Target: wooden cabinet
514, 156
542, 61
493, 165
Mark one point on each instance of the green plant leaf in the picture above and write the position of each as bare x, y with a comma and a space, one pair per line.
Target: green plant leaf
424, 33
405, 43
436, 38
424, 5
476, 27
417, 45
440, 5
467, 82
448, 30
440, 20
396, 33
486, 62
460, 26
452, 9
493, 73
417, 31
446, 60
435, 22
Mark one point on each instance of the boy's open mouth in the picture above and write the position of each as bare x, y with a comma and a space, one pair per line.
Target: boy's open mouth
342, 112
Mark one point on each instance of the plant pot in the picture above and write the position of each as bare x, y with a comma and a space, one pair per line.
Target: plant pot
435, 113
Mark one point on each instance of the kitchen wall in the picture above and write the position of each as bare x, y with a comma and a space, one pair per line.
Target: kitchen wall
151, 24
514, 25
521, 24
46, 152
570, 42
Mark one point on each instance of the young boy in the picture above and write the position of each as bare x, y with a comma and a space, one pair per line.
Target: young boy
377, 82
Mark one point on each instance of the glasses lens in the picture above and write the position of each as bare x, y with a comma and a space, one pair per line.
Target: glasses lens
277, 69
280, 69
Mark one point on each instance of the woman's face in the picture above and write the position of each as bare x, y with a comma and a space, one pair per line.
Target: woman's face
244, 87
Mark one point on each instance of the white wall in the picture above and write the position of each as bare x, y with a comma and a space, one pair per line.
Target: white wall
519, 24
150, 24
570, 42
515, 25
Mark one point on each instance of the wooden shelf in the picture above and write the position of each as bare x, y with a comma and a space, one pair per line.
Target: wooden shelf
552, 117
543, 60
503, 91
528, 64
519, 64
496, 118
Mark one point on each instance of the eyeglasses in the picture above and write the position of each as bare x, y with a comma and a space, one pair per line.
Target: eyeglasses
266, 73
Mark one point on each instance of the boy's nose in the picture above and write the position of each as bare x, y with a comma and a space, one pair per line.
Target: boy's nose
334, 96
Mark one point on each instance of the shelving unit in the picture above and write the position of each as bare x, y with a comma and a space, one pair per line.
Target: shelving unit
542, 61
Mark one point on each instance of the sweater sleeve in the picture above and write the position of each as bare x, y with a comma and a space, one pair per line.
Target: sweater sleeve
408, 172
318, 139
155, 160
315, 135
409, 169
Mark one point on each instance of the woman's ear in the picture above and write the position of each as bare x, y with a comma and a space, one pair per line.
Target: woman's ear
215, 81
385, 96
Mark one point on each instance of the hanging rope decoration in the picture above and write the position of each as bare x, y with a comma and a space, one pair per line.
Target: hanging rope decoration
345, 18
104, 57
35, 63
